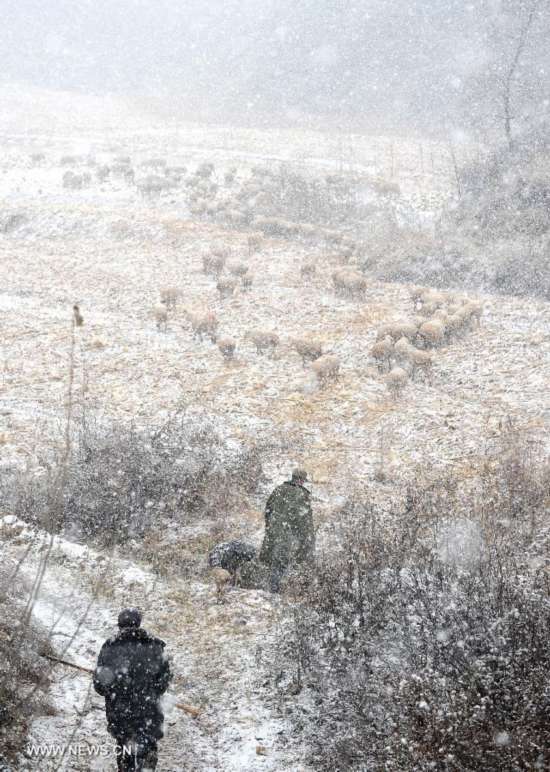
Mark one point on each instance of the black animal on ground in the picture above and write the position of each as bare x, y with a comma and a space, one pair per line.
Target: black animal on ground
231, 555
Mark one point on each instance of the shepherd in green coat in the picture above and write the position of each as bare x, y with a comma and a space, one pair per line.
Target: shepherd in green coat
289, 533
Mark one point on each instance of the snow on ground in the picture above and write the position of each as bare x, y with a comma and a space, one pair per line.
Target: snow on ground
111, 252
129, 369
214, 651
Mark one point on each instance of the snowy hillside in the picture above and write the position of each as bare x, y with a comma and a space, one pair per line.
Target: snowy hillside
112, 250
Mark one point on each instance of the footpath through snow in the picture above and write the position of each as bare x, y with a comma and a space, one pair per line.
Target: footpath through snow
216, 656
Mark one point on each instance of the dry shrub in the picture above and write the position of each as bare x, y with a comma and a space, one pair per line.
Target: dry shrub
423, 644
122, 481
299, 197
23, 672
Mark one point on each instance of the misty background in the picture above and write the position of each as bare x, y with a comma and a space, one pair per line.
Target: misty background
375, 64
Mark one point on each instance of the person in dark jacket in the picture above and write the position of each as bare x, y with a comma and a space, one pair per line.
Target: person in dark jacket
132, 673
289, 533
231, 555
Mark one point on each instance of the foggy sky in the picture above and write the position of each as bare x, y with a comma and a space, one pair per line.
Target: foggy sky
327, 57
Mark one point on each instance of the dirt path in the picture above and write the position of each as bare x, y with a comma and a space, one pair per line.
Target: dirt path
216, 660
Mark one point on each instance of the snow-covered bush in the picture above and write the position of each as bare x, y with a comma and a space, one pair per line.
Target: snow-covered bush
121, 481
302, 198
424, 643
24, 674
496, 237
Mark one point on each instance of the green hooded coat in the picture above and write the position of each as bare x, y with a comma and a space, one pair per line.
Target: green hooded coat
289, 533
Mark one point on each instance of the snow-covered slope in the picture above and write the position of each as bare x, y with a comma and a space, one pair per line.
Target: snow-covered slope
111, 252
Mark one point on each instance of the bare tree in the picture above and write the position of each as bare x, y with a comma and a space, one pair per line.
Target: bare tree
533, 8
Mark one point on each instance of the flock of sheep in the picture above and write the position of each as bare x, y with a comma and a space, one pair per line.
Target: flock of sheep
325, 366
253, 202
402, 349
242, 203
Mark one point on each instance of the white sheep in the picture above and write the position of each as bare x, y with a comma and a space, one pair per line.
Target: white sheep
420, 360
213, 264
432, 333
237, 269
264, 341
218, 249
308, 350
226, 287
227, 347
396, 380
169, 296
247, 280
160, 313
382, 351
308, 269
254, 241
203, 324
326, 368
402, 349
349, 282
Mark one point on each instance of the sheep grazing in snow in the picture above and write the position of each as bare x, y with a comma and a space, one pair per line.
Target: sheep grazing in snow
406, 330
308, 230
453, 324
428, 309
402, 350
247, 281
264, 341
237, 217
227, 347
237, 269
226, 287
396, 380
382, 352
417, 293
386, 187
396, 330
351, 283
154, 185
420, 360
308, 350
254, 242
169, 296
326, 368
308, 270
160, 313
218, 249
203, 324
432, 333
221, 578
384, 332
433, 297
213, 264
205, 170
333, 237
475, 312
76, 181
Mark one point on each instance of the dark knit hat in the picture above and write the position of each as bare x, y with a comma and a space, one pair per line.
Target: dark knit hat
129, 617
299, 474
